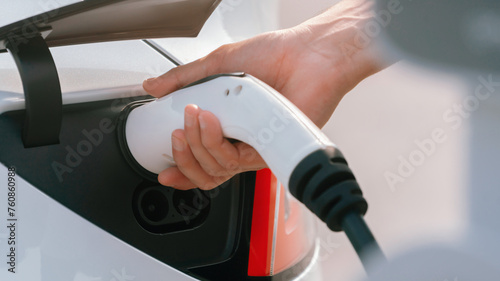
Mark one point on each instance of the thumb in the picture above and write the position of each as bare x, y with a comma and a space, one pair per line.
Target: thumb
183, 75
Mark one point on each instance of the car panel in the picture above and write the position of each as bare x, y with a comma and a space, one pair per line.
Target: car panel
109, 20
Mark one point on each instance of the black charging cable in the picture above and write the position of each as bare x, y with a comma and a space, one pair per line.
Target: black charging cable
327, 186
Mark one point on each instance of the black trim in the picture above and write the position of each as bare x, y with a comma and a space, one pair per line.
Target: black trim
42, 91
163, 52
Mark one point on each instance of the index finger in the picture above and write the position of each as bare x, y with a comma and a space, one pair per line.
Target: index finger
183, 75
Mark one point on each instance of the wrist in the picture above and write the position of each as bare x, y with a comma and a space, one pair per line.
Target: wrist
342, 34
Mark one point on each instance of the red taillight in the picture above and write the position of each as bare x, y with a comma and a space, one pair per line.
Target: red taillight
259, 263
280, 237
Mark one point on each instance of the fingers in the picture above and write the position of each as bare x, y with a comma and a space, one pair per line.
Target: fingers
173, 177
183, 75
194, 139
204, 158
175, 79
249, 159
189, 166
212, 139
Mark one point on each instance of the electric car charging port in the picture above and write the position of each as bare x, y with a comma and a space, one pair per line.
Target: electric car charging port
159, 209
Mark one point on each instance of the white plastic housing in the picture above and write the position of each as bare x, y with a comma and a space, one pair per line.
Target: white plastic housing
248, 110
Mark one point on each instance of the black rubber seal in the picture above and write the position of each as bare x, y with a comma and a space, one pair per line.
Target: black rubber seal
122, 141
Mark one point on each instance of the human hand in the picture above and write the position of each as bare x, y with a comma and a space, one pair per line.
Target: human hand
308, 64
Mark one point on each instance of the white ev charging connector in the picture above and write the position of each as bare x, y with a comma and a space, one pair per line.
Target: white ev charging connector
299, 154
249, 111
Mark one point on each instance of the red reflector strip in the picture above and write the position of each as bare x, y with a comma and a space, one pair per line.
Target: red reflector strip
259, 263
